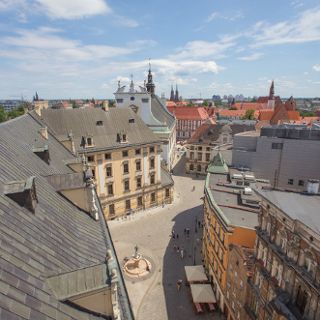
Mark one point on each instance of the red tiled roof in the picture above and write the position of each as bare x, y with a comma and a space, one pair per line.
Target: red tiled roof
189, 113
249, 105
265, 115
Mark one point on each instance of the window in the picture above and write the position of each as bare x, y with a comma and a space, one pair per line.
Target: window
111, 209
199, 156
191, 167
139, 201
99, 123
90, 158
89, 141
138, 165
290, 181
132, 98
93, 173
128, 205
152, 179
125, 153
207, 157
124, 138
301, 183
153, 197
191, 155
138, 182
152, 163
275, 145
208, 148
167, 192
126, 186
151, 149
145, 100
138, 151
199, 167
109, 171
125, 168
119, 100
110, 189
199, 148
107, 156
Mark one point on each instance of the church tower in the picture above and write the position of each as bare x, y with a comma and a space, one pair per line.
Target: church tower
176, 96
271, 92
150, 85
172, 94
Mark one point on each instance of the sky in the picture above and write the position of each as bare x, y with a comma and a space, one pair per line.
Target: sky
82, 48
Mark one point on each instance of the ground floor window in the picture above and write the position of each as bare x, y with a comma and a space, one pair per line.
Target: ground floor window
199, 167
167, 192
111, 209
153, 197
139, 201
128, 205
191, 167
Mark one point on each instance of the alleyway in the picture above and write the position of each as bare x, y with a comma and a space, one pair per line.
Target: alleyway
157, 297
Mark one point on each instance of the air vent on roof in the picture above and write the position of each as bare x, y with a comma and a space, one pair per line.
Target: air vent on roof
99, 123
131, 120
22, 192
42, 153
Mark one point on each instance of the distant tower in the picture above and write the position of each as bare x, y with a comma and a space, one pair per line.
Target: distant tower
131, 90
36, 97
172, 94
271, 92
271, 100
150, 85
176, 96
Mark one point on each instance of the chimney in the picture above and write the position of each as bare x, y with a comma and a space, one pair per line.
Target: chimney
44, 132
105, 105
39, 105
313, 186
23, 193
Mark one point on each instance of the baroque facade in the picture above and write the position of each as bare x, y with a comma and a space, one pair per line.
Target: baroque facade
152, 110
123, 153
286, 279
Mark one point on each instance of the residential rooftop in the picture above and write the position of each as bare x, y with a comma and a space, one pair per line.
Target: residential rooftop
298, 206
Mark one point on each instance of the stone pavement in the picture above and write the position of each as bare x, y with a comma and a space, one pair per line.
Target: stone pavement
157, 297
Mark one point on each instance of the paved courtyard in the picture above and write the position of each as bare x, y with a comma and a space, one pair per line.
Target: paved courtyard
157, 297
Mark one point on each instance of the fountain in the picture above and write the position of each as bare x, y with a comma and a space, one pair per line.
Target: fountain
137, 266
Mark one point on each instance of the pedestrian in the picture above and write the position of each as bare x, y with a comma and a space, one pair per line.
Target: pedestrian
181, 253
179, 283
177, 236
178, 249
199, 223
174, 248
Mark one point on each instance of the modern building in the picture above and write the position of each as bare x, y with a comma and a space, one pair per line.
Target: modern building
152, 110
57, 257
287, 155
240, 268
286, 279
189, 119
123, 153
207, 138
230, 217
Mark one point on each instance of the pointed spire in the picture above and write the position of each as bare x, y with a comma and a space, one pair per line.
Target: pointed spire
176, 96
131, 84
150, 85
271, 92
172, 94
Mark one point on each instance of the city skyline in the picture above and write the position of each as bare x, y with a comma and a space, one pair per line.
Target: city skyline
74, 49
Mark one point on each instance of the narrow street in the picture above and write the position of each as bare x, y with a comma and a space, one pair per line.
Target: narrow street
157, 297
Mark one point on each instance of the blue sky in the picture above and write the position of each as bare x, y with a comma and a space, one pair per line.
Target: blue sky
81, 48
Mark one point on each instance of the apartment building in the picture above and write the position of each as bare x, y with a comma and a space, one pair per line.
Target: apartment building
286, 279
207, 138
122, 152
287, 155
230, 217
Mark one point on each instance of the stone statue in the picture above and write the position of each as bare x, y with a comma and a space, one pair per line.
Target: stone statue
136, 254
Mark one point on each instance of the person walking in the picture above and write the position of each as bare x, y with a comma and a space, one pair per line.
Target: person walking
179, 283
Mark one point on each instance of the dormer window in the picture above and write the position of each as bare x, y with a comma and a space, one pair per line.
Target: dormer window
124, 138
89, 142
99, 123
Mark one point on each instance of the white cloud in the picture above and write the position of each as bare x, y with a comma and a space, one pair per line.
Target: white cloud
125, 21
230, 17
305, 28
212, 16
10, 4
200, 49
316, 67
252, 57
73, 9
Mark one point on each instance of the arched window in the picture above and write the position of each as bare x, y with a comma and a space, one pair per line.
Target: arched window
199, 167
191, 167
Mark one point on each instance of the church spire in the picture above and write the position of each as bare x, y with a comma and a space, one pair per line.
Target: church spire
150, 85
176, 96
172, 94
271, 92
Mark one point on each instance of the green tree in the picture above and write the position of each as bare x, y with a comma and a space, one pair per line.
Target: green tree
205, 103
249, 115
3, 114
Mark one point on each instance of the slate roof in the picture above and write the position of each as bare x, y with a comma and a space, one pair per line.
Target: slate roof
58, 238
161, 113
84, 122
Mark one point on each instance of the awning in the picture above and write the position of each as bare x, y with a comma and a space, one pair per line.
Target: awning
202, 293
195, 274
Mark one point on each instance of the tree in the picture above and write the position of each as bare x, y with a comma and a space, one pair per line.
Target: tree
249, 115
205, 103
3, 114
